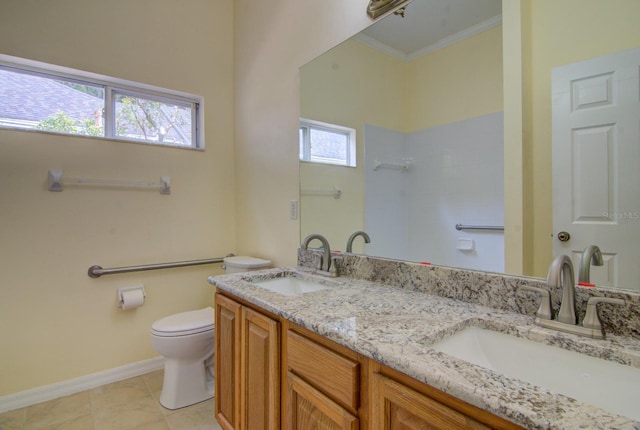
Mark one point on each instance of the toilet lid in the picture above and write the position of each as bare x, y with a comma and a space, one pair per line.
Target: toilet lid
184, 323
244, 262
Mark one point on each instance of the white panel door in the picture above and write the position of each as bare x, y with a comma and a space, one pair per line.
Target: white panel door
596, 164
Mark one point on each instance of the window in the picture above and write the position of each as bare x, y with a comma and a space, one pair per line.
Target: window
42, 97
327, 143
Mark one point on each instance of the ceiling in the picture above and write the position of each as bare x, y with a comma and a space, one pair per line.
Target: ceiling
431, 24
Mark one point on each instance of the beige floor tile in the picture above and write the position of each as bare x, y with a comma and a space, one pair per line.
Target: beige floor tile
124, 405
130, 415
159, 424
13, 420
154, 382
79, 423
119, 393
47, 414
196, 417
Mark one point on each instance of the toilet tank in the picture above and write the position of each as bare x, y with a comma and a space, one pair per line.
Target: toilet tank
242, 263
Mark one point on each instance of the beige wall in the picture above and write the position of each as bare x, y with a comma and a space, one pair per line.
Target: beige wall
342, 87
564, 32
458, 82
55, 322
272, 40
517, 241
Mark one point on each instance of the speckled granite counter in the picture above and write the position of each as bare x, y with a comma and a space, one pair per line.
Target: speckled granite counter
396, 327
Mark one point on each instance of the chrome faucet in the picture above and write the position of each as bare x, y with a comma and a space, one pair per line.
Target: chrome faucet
325, 267
364, 235
590, 255
561, 275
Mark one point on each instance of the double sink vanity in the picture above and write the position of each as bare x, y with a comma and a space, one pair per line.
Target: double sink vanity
391, 344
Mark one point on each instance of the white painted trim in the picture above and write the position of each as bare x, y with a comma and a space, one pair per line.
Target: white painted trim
449, 40
382, 47
76, 385
95, 78
459, 36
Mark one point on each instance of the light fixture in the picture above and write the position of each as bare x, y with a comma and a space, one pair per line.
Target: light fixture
377, 8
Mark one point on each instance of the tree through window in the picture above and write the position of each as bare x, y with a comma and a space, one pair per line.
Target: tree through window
45, 100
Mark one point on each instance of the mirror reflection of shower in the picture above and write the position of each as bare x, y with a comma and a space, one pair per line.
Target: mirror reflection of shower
429, 153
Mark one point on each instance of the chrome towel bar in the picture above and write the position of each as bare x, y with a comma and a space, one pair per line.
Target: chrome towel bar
97, 271
56, 182
336, 192
479, 227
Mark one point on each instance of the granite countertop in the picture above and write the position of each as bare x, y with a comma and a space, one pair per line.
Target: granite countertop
396, 327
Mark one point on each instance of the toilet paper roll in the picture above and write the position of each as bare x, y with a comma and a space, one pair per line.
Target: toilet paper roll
132, 299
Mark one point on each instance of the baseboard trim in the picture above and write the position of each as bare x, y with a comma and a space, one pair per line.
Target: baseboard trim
76, 385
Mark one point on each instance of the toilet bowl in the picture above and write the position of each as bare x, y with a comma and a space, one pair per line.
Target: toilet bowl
185, 340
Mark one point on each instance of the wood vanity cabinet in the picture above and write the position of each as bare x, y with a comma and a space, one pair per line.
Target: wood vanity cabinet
273, 374
323, 383
399, 402
308, 408
247, 367
399, 407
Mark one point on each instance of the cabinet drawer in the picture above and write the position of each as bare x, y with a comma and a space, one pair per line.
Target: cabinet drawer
333, 374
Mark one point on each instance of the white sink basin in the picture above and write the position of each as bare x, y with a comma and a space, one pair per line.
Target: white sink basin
610, 386
290, 286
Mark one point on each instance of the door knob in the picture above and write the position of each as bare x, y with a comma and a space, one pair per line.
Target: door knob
564, 236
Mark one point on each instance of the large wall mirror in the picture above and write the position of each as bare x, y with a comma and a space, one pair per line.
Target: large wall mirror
423, 94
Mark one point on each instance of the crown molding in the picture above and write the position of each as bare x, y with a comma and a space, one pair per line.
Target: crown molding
442, 43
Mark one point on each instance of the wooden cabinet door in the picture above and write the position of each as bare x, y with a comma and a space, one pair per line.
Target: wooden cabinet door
260, 375
397, 407
227, 362
308, 408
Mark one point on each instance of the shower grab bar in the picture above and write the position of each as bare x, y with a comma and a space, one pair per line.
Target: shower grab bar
96, 271
479, 227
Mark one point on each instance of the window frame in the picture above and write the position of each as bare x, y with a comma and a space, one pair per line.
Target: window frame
111, 87
303, 133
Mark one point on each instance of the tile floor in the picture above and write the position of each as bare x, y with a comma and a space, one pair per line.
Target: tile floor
129, 404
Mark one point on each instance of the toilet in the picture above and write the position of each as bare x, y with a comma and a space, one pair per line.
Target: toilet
241, 263
185, 340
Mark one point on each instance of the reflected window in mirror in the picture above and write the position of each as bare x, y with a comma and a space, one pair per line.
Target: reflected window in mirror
326, 143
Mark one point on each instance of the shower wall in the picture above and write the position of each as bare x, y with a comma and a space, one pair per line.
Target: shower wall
455, 177
386, 206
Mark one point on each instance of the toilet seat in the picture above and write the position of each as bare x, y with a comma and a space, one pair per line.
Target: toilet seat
185, 323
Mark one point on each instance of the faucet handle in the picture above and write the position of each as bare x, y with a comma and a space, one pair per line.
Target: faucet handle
591, 318
544, 311
333, 269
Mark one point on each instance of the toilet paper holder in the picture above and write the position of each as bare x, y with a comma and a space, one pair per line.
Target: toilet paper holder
122, 290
